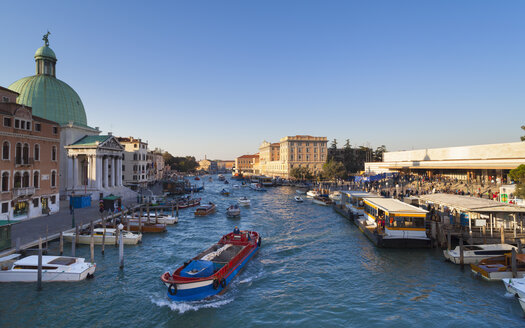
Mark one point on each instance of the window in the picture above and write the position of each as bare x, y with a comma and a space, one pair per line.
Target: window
53, 179
36, 180
5, 150
299, 157
123, 168
18, 153
7, 121
25, 154
5, 99
54, 153
122, 156
134, 177
25, 180
134, 157
28, 126
18, 180
36, 153
53, 199
5, 207
17, 124
5, 181
38, 127
35, 202
136, 146
55, 130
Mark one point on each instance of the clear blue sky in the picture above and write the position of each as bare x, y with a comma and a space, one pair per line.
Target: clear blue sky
219, 77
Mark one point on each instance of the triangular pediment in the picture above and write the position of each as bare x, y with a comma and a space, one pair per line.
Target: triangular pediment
111, 143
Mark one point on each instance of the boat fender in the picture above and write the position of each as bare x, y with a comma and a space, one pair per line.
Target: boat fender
223, 283
215, 284
172, 289
259, 242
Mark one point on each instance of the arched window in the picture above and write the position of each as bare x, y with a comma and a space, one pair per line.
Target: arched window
18, 180
36, 153
25, 180
36, 180
5, 181
5, 150
25, 154
53, 179
18, 153
54, 153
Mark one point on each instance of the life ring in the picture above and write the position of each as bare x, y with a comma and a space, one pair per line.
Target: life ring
172, 289
223, 283
215, 284
259, 242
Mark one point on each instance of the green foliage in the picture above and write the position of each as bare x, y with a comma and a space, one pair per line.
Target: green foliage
378, 153
347, 145
301, 173
518, 175
522, 137
333, 145
334, 170
181, 164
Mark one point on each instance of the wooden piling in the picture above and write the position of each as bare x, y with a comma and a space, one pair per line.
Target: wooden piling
17, 244
140, 223
177, 217
461, 256
484, 235
514, 264
128, 218
47, 233
147, 210
518, 241
61, 247
76, 234
103, 234
121, 249
502, 234
156, 216
449, 240
39, 272
73, 244
173, 209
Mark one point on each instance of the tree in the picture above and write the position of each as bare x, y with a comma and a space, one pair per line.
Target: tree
301, 173
518, 175
522, 137
347, 145
334, 144
378, 153
334, 170
181, 164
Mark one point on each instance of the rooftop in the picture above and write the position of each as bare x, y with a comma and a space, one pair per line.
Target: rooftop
471, 204
391, 205
91, 140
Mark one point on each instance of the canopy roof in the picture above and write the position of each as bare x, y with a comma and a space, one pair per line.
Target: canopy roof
472, 204
391, 205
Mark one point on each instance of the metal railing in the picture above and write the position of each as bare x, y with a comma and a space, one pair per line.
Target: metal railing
27, 191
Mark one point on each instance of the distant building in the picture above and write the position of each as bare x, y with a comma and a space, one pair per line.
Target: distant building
225, 166
247, 164
480, 163
135, 163
278, 159
29, 166
208, 166
156, 166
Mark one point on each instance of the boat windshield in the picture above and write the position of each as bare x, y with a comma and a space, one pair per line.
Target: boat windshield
406, 222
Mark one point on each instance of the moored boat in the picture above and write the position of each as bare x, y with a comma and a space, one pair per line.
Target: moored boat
244, 201
210, 272
325, 201
298, 199
54, 268
111, 237
312, 193
515, 286
499, 267
472, 254
205, 209
233, 211
188, 202
145, 226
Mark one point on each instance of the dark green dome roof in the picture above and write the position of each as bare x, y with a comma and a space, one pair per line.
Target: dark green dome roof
51, 99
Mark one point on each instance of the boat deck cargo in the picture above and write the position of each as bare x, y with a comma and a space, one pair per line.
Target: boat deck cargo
499, 267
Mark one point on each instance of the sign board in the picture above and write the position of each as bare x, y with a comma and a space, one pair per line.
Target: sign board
45, 176
480, 223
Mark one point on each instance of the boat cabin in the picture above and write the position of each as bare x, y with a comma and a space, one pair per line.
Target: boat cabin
353, 200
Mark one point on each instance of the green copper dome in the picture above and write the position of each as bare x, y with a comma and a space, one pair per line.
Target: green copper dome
49, 97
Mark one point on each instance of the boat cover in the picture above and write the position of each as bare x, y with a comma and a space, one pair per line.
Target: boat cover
198, 269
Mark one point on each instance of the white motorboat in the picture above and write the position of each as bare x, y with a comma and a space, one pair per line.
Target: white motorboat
54, 268
312, 193
325, 201
298, 199
162, 218
522, 303
233, 211
244, 201
129, 238
515, 286
335, 196
300, 192
472, 254
236, 186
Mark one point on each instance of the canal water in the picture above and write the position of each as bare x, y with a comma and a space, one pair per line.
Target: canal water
314, 269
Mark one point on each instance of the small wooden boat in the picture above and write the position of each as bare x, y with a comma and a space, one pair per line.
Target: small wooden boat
159, 218
185, 203
210, 272
224, 192
244, 201
298, 199
325, 201
472, 254
499, 267
197, 178
233, 211
146, 226
84, 237
54, 268
205, 209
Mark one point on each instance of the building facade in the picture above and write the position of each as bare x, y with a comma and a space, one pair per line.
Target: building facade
208, 166
247, 164
155, 166
225, 166
479, 163
30, 161
135, 162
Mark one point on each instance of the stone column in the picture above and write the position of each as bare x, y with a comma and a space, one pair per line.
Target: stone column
113, 171
98, 175
75, 171
120, 172
106, 172
70, 183
89, 170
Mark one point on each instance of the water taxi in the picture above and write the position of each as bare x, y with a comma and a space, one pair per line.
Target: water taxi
353, 200
499, 267
188, 202
210, 272
391, 223
205, 209
158, 218
472, 254
111, 237
325, 201
54, 268
335, 196
233, 211
244, 201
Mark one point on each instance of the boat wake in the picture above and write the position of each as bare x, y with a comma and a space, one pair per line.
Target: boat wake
251, 278
183, 307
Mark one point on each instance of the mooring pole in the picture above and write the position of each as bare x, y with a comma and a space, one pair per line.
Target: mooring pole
39, 273
61, 243
103, 234
121, 246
